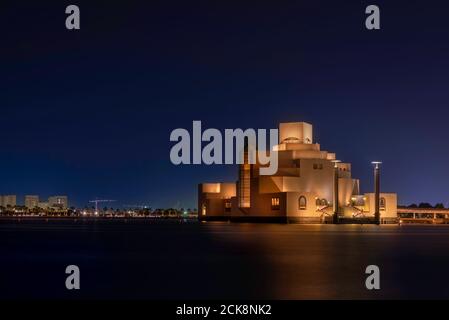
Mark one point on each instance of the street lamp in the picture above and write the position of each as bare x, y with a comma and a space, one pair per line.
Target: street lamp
376, 190
335, 202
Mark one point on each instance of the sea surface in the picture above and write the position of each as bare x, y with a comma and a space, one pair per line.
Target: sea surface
159, 259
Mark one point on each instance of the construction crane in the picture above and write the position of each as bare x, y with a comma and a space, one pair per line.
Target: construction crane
98, 201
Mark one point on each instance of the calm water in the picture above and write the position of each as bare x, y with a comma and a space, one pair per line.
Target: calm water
221, 260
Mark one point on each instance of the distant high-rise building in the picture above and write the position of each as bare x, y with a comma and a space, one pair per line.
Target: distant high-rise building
42, 205
8, 200
60, 202
31, 202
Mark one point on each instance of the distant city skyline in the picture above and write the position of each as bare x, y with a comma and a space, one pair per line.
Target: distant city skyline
89, 113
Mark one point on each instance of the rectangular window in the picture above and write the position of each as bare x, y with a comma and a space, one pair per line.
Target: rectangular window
382, 203
318, 166
244, 186
227, 206
275, 203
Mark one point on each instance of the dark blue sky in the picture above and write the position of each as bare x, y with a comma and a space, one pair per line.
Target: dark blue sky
88, 113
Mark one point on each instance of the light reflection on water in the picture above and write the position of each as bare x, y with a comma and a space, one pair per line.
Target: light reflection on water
223, 260
328, 261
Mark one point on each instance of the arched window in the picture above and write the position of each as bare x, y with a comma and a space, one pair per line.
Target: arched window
323, 202
382, 203
302, 203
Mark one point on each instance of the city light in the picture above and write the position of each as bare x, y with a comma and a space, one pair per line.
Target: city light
376, 163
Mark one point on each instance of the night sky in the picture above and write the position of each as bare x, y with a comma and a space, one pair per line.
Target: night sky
89, 113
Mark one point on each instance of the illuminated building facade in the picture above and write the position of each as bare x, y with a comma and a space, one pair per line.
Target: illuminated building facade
8, 201
31, 201
59, 202
302, 190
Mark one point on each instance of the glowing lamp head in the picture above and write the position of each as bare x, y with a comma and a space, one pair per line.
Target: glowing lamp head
376, 163
335, 162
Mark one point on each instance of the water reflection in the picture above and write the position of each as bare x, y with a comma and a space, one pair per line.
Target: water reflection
328, 261
167, 260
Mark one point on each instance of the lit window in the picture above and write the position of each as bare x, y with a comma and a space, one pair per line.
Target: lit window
382, 203
203, 210
302, 203
275, 203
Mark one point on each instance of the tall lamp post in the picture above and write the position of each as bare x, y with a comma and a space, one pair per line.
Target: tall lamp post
376, 191
335, 201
